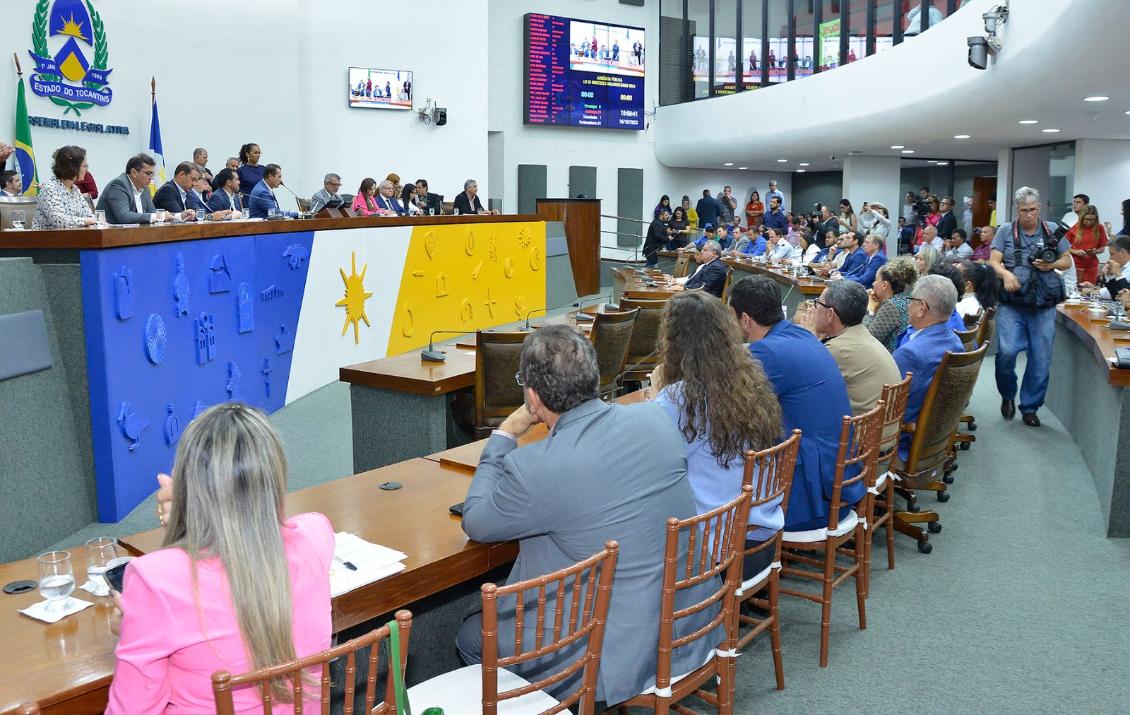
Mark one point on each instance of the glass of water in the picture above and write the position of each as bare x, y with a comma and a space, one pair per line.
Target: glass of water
100, 551
455, 212
431, 210
271, 213
56, 578
245, 214
100, 218
18, 218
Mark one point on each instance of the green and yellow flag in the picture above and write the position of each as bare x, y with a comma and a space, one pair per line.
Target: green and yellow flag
25, 155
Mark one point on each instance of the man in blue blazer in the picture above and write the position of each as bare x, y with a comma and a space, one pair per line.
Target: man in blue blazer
263, 197
812, 394
711, 274
386, 198
559, 500
873, 259
931, 304
851, 242
226, 195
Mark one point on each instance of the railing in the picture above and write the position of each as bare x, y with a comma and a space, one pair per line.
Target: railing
637, 238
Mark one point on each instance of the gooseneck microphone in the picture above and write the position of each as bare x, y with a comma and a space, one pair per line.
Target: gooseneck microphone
585, 317
535, 310
430, 354
636, 364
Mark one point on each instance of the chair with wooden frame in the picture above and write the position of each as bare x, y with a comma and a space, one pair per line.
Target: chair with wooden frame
726, 284
642, 349
715, 542
682, 265
931, 444
968, 338
224, 683
774, 468
611, 335
986, 329
575, 601
497, 393
881, 489
859, 446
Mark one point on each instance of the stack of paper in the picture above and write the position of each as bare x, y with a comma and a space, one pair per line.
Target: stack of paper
371, 562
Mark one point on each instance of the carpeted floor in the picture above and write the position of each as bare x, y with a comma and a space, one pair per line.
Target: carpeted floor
1023, 606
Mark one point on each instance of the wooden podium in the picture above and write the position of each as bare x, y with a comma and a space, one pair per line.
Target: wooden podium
581, 218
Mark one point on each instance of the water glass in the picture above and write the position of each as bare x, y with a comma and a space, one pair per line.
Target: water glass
18, 218
160, 215
246, 214
271, 213
100, 218
56, 578
100, 551
455, 212
431, 211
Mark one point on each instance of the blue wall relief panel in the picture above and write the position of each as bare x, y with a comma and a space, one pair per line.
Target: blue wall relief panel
203, 322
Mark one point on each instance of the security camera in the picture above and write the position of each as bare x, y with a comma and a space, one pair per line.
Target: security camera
979, 52
439, 116
994, 18
833, 157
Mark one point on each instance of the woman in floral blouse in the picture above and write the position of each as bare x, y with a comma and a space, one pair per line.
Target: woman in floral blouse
61, 203
890, 300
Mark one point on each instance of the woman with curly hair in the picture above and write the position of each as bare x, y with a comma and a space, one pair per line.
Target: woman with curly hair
721, 401
890, 300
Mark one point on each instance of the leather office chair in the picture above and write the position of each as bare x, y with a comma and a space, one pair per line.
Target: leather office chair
774, 469
715, 542
303, 204
223, 682
726, 285
642, 356
346, 200
859, 445
611, 334
590, 580
930, 447
881, 489
497, 393
682, 265
968, 338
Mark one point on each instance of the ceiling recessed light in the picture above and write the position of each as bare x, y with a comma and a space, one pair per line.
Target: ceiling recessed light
897, 146
742, 168
805, 163
1128, 112
942, 163
801, 171
1050, 131
1096, 98
960, 136
782, 161
728, 163
1029, 121
907, 151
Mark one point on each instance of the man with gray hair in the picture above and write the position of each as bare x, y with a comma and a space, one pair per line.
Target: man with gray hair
836, 317
711, 273
331, 184
386, 199
1026, 315
468, 202
931, 304
200, 159
561, 499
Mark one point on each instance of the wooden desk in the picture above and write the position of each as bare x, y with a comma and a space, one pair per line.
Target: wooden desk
1098, 338
67, 666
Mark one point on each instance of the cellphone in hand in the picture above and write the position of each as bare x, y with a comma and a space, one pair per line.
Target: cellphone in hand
456, 509
116, 574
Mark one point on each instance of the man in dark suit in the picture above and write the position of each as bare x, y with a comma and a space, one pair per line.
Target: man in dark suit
855, 257
9, 183
556, 498
430, 204
126, 198
173, 196
386, 198
263, 200
226, 196
873, 259
812, 394
948, 222
708, 209
711, 274
468, 202
657, 237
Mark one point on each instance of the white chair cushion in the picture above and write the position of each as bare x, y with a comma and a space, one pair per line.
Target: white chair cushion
461, 691
879, 482
756, 581
814, 535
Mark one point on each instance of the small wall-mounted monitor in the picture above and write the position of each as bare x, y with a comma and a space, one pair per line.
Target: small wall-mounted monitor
371, 88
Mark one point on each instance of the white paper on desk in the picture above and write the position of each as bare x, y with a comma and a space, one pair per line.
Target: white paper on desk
373, 563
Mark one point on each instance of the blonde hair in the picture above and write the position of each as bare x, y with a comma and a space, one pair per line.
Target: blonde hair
229, 483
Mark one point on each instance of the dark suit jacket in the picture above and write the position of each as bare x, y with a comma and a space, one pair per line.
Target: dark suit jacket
168, 198
558, 499
219, 201
946, 225
710, 277
432, 201
656, 240
117, 201
865, 272
464, 204
852, 262
391, 204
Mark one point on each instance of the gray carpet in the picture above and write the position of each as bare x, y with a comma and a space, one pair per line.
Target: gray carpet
1024, 605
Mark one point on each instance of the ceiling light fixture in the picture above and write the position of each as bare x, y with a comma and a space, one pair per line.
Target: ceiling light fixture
907, 151
897, 146
1096, 98
960, 136
782, 161
801, 171
942, 163
728, 163
1050, 131
1029, 121
805, 163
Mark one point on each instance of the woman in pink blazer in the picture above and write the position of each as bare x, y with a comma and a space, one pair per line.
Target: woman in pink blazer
236, 587
364, 202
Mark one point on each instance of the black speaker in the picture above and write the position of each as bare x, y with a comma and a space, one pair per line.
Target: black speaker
440, 116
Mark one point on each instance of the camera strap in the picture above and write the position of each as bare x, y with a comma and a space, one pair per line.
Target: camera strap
1016, 248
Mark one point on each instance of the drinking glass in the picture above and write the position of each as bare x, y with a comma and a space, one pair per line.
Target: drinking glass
56, 578
18, 218
245, 214
99, 552
271, 213
431, 211
159, 216
100, 218
455, 212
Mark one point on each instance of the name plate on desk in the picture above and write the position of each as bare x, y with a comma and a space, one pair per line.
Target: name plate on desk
26, 349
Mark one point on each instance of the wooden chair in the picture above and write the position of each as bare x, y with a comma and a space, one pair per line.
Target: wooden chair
497, 393
682, 265
611, 334
878, 507
576, 590
726, 284
986, 329
774, 468
448, 207
930, 446
223, 682
859, 446
642, 356
968, 338
713, 553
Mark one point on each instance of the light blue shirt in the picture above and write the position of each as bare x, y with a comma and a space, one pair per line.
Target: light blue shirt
769, 196
714, 485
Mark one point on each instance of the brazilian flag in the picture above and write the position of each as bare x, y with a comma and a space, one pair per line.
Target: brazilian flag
25, 155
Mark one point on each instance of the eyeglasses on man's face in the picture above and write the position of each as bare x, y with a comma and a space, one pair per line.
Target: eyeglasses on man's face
922, 301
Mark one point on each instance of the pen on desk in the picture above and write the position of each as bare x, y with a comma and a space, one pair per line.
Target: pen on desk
348, 564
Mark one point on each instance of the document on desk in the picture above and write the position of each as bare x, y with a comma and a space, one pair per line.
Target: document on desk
358, 562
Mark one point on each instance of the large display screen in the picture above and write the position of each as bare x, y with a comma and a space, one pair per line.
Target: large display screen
584, 74
371, 88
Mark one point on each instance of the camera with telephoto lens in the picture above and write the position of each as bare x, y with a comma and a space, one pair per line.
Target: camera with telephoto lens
1049, 254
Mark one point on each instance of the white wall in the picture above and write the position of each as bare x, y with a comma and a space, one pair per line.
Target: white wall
875, 178
607, 149
1101, 169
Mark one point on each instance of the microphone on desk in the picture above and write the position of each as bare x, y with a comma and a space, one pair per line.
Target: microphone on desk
296, 196
535, 310
639, 362
585, 317
430, 353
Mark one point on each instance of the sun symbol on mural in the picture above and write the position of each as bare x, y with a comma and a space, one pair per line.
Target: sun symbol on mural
354, 300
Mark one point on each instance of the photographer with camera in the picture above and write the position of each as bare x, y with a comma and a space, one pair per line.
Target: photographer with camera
1025, 255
